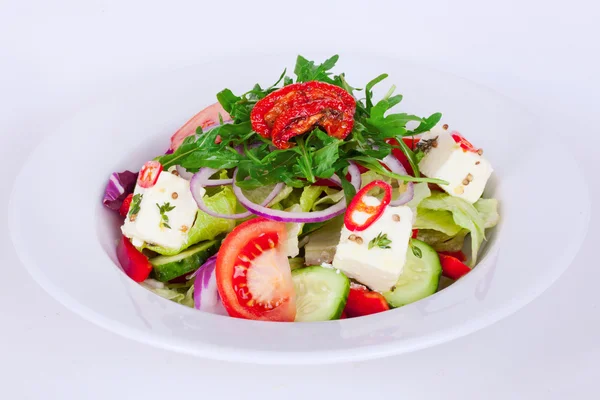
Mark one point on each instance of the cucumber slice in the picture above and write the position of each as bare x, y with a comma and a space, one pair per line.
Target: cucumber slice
419, 279
166, 268
321, 293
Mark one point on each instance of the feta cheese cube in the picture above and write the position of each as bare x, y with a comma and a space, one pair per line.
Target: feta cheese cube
378, 268
466, 172
149, 225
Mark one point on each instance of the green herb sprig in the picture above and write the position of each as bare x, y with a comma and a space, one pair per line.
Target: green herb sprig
381, 241
415, 250
134, 208
166, 207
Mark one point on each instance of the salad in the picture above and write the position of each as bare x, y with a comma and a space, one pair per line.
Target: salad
307, 200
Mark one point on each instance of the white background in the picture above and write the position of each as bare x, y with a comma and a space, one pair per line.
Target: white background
55, 56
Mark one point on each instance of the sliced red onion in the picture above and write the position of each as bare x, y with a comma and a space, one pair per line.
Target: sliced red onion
206, 295
203, 178
297, 217
184, 172
197, 186
396, 167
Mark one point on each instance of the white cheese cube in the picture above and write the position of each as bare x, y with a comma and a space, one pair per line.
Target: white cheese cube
378, 268
150, 226
466, 172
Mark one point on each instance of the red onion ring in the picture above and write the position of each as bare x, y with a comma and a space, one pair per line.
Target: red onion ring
198, 181
297, 217
206, 295
184, 172
203, 178
396, 167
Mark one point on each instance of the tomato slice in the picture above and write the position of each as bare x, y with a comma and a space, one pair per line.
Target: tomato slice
362, 302
411, 142
415, 233
253, 272
149, 174
359, 205
452, 267
463, 143
267, 110
329, 114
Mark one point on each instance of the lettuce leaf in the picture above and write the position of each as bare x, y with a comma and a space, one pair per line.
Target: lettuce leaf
442, 242
464, 214
439, 220
182, 293
206, 227
421, 191
488, 209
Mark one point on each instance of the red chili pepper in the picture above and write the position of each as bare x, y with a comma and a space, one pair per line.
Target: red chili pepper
329, 114
149, 174
267, 110
452, 267
362, 302
125, 206
463, 143
358, 204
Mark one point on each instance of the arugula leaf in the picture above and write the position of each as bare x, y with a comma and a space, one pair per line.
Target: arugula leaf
306, 70
410, 155
369, 92
227, 99
427, 123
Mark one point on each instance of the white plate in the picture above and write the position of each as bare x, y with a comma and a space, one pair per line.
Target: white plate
66, 238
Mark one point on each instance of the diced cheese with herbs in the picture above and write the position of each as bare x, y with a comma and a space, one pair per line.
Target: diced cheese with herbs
466, 172
162, 214
379, 266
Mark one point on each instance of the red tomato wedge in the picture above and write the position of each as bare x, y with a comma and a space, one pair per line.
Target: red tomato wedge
362, 302
359, 205
133, 262
463, 143
253, 272
452, 267
204, 119
149, 174
411, 142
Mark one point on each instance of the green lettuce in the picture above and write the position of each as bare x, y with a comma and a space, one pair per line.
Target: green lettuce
442, 242
182, 293
206, 227
444, 221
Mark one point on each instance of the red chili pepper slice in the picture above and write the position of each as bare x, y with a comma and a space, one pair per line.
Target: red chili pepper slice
329, 114
149, 174
463, 143
358, 204
267, 110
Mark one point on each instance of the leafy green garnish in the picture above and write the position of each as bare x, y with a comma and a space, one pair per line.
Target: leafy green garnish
381, 241
415, 250
315, 155
134, 208
166, 207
